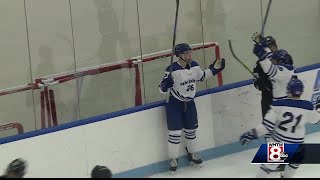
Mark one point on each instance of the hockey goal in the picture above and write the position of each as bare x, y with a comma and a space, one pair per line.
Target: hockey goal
47, 93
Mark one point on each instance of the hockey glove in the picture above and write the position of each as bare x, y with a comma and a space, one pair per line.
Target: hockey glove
246, 137
217, 66
257, 38
166, 83
260, 51
258, 84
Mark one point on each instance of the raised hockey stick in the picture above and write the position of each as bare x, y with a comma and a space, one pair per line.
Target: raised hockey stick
264, 22
173, 45
265, 18
245, 66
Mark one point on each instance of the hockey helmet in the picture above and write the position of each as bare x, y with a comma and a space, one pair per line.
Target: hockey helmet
295, 87
17, 167
181, 48
101, 172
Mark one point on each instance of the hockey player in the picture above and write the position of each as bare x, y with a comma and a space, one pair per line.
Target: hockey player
274, 75
101, 172
277, 67
16, 169
181, 110
263, 83
286, 120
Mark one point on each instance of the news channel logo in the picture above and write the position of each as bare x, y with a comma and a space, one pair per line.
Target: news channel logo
276, 152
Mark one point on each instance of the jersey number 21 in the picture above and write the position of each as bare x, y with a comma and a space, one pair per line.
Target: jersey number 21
289, 117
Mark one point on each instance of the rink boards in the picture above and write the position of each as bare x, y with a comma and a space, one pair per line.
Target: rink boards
133, 142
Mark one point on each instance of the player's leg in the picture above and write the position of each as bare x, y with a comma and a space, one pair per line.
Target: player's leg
289, 170
297, 159
266, 102
174, 112
190, 130
267, 170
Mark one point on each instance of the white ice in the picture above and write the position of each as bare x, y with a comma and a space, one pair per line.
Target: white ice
238, 165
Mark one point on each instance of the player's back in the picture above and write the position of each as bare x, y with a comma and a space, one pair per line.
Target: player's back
291, 116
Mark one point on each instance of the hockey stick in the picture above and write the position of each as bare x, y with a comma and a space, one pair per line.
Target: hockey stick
245, 66
264, 22
265, 18
173, 45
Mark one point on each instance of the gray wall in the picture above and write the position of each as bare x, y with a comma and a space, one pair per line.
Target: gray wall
44, 37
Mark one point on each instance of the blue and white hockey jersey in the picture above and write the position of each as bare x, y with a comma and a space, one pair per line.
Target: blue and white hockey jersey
286, 120
185, 80
280, 75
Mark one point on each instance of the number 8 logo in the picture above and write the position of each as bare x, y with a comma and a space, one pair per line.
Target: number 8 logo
275, 153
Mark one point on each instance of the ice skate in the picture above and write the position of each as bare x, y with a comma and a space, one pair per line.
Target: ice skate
173, 165
280, 168
194, 159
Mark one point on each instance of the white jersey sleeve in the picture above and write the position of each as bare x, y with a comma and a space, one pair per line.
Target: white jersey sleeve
269, 122
202, 74
280, 75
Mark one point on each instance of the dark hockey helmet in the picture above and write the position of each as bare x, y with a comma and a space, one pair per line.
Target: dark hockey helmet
101, 172
269, 40
181, 48
288, 59
17, 167
280, 55
295, 87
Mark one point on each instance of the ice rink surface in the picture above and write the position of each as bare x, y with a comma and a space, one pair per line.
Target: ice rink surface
238, 165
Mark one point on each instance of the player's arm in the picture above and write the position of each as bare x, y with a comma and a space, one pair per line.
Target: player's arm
166, 83
262, 81
315, 115
216, 67
264, 54
268, 124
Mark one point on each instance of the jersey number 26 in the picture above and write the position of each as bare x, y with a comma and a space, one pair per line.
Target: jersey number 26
190, 88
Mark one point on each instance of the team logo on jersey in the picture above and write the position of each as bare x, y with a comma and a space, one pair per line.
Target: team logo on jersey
316, 88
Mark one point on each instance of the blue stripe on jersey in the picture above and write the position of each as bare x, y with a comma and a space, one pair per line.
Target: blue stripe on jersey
269, 56
291, 138
176, 66
271, 69
269, 122
285, 140
287, 66
275, 72
268, 127
303, 104
204, 75
182, 98
178, 94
